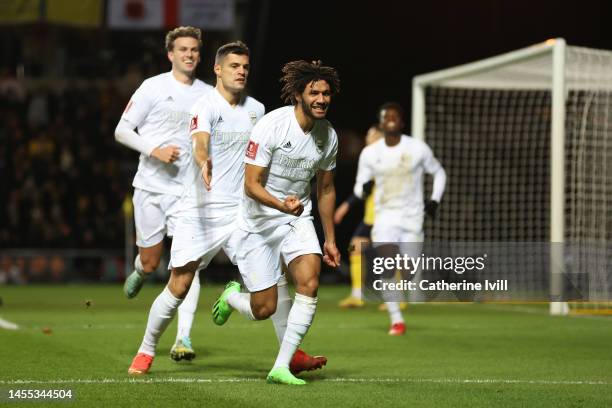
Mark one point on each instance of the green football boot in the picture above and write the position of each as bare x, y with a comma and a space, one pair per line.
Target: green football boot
221, 310
282, 375
133, 284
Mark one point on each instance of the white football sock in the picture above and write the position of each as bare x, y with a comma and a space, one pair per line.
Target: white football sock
161, 314
394, 312
187, 309
300, 318
392, 300
138, 267
242, 303
283, 306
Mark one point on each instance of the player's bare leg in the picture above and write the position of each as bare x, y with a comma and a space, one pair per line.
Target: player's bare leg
145, 263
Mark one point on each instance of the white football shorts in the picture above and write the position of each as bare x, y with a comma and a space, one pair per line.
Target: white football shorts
407, 234
259, 255
408, 229
197, 237
153, 216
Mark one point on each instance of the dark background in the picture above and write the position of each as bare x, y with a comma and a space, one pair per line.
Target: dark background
83, 75
379, 46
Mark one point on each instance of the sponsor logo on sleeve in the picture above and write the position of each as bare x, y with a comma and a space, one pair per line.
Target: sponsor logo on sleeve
251, 151
194, 123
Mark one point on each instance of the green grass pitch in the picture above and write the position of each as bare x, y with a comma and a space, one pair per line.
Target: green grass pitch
452, 355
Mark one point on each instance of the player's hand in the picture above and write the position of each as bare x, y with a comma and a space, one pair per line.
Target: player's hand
341, 212
292, 205
166, 154
331, 255
206, 171
431, 208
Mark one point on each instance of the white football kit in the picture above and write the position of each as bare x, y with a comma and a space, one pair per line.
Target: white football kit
206, 221
292, 158
160, 110
398, 173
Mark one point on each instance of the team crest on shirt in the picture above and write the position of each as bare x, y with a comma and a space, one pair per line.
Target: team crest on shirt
251, 151
253, 117
194, 123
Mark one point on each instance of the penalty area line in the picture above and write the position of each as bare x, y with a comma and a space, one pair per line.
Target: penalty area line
170, 380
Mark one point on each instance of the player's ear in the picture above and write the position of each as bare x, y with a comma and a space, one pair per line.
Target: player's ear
171, 56
217, 69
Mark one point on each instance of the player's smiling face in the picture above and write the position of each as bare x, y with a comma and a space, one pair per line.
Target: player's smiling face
315, 99
391, 121
233, 71
185, 55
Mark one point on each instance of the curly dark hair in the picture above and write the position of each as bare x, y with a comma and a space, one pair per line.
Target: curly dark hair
298, 74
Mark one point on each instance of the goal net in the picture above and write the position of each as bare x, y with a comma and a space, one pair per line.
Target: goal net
526, 138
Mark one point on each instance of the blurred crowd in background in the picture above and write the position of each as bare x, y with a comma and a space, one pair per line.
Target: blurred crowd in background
64, 177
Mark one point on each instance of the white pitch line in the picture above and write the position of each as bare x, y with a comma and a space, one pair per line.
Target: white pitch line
334, 380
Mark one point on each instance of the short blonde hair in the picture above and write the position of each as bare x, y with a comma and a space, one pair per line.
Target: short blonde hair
183, 31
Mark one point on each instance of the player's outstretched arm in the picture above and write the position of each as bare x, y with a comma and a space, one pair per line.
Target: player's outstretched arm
253, 187
201, 143
364, 181
326, 198
439, 184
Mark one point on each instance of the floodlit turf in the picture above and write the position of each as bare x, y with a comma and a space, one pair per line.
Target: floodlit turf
452, 355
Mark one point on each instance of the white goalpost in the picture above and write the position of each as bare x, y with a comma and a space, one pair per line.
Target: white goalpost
525, 138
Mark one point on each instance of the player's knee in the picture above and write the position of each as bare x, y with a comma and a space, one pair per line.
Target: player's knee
309, 287
264, 311
149, 263
179, 287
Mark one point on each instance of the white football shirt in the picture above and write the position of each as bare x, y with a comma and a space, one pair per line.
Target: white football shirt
160, 110
230, 129
398, 173
292, 158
